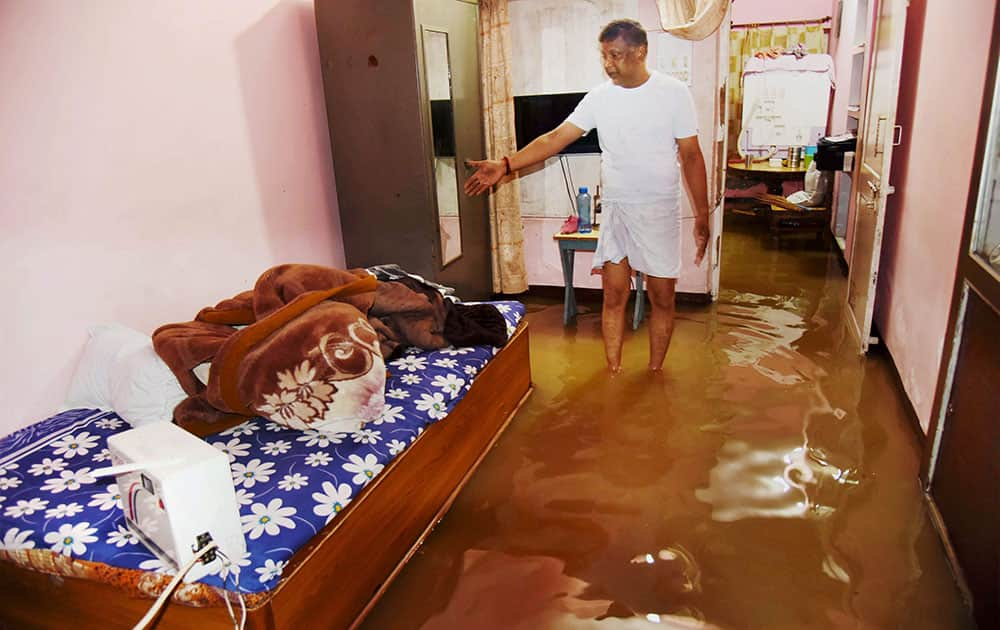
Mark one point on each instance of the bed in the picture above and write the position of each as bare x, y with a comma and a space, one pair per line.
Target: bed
329, 520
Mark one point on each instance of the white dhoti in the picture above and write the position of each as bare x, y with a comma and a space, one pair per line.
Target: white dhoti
648, 234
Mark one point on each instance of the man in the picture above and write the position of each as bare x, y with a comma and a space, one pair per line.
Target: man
645, 122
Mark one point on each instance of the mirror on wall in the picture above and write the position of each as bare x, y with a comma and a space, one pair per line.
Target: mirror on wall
437, 74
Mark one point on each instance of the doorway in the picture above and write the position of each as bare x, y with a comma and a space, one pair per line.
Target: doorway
777, 112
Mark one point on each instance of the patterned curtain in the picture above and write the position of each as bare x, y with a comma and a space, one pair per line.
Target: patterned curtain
506, 229
744, 42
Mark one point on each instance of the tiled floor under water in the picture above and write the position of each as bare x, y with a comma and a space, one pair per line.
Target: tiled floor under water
767, 480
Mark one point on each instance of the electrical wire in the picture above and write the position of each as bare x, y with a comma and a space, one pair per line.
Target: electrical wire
567, 180
165, 595
236, 589
226, 566
225, 593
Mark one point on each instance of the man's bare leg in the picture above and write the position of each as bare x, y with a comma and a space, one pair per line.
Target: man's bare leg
661, 321
615, 278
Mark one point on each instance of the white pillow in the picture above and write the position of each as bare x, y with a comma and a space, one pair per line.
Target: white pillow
143, 389
91, 384
120, 371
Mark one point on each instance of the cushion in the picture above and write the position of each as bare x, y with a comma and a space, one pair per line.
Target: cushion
120, 371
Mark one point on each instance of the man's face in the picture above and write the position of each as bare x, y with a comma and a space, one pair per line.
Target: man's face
623, 64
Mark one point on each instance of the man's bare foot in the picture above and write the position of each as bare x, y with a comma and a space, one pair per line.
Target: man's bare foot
656, 370
614, 370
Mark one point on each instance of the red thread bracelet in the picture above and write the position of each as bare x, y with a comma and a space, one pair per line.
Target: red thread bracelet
506, 164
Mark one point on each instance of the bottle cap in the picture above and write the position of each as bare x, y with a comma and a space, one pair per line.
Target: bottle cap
583, 189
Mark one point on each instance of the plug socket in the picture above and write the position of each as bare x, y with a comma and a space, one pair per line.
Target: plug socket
202, 541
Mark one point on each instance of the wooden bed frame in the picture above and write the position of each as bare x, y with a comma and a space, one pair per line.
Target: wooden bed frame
335, 580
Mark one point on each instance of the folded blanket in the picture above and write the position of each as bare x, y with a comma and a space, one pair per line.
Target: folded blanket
304, 357
464, 324
306, 348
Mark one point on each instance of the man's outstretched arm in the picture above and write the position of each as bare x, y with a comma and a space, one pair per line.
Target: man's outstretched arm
489, 172
693, 166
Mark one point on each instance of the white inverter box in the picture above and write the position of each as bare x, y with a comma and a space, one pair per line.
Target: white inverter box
177, 495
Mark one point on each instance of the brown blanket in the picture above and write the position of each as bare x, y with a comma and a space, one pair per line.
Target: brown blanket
311, 352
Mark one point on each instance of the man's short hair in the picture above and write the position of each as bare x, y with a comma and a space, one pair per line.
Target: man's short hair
629, 30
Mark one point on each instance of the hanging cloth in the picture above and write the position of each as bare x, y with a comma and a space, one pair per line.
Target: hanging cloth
743, 44
692, 19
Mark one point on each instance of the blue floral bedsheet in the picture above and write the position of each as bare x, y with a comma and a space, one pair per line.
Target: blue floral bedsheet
289, 483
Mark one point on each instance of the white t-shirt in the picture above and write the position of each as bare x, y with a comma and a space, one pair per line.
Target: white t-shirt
638, 130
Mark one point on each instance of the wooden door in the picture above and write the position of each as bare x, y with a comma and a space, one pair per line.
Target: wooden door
964, 485
875, 153
451, 28
962, 459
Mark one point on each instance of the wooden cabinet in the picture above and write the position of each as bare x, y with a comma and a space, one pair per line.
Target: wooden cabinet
402, 86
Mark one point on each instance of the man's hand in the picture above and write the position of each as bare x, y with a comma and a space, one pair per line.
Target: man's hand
488, 173
693, 164
701, 234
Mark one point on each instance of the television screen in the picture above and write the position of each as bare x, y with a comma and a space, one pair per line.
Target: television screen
540, 113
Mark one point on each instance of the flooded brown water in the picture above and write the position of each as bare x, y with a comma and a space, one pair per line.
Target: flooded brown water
768, 479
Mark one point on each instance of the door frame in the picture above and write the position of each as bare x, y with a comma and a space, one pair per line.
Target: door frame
971, 277
861, 330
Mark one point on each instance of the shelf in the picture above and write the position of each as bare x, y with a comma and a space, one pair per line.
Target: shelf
858, 49
854, 111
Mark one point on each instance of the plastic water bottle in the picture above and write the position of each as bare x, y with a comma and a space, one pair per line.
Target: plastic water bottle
583, 211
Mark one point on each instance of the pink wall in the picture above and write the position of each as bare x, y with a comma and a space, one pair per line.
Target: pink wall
156, 159
946, 45
746, 11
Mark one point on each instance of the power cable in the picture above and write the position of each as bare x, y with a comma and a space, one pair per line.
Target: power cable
165, 595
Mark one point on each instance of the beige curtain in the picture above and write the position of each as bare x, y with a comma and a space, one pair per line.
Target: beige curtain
743, 43
691, 19
506, 229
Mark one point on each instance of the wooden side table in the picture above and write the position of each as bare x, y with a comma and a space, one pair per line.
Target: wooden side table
569, 244
772, 176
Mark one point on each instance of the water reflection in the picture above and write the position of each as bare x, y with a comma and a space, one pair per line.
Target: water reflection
766, 480
547, 598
